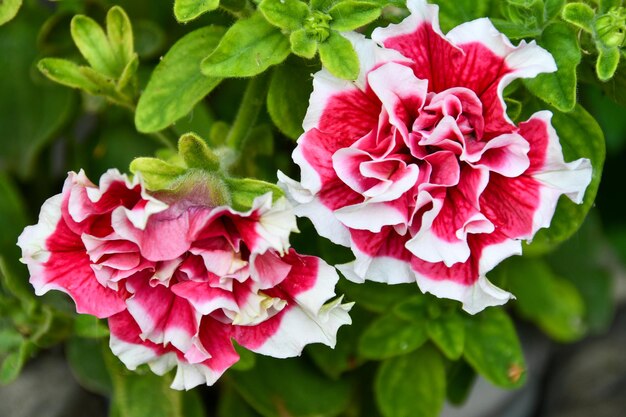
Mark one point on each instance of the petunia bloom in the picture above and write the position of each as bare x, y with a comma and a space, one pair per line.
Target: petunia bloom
179, 278
416, 166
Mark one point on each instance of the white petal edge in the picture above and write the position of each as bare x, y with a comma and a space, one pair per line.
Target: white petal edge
298, 328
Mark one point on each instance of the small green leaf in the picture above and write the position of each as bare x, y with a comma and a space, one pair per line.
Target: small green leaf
120, 35
196, 153
608, 60
243, 191
290, 84
156, 174
448, 333
69, 74
390, 336
558, 88
8, 10
350, 14
248, 48
128, 74
94, 45
579, 14
274, 388
177, 84
339, 57
186, 10
302, 44
493, 349
90, 327
285, 14
580, 137
412, 385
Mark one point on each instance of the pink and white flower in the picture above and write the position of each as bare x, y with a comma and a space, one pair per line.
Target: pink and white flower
179, 280
416, 165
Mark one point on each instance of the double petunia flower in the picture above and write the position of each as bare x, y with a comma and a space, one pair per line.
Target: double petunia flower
416, 166
178, 280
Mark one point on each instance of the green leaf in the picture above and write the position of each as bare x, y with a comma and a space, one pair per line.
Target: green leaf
558, 88
412, 385
94, 45
460, 379
515, 30
247, 359
580, 137
302, 44
17, 284
12, 222
339, 57
580, 15
291, 82
453, 13
582, 262
493, 349
551, 302
513, 108
147, 395
120, 35
177, 84
285, 14
248, 48
196, 153
377, 297
8, 10
10, 339
552, 8
274, 388
390, 336
157, 174
90, 327
448, 333
232, 405
323, 5
25, 98
350, 14
14, 362
186, 10
86, 361
69, 74
608, 60
243, 191
128, 74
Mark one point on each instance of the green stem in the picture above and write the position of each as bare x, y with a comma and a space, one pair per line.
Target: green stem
253, 100
164, 139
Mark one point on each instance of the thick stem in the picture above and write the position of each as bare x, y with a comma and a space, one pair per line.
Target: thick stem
251, 105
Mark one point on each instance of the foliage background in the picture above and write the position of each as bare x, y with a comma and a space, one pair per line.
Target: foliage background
567, 290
